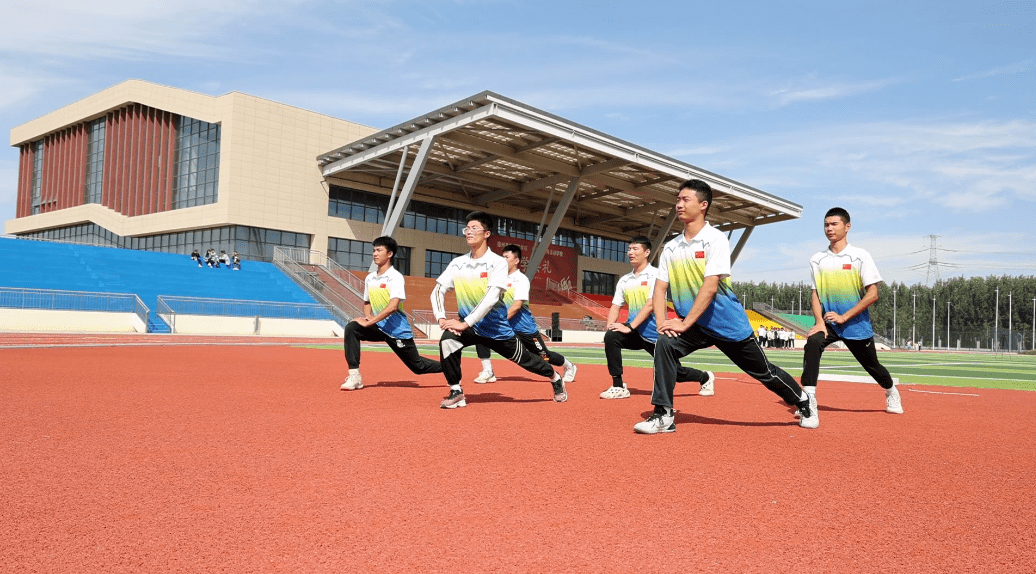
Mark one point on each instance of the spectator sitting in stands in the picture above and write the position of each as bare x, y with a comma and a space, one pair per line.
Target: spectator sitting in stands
224, 259
195, 256
210, 256
237, 262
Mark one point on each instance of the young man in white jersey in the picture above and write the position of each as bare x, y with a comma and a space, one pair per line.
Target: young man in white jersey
845, 284
516, 298
696, 266
636, 290
383, 318
479, 279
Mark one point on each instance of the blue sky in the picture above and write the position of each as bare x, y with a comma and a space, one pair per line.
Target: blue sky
919, 118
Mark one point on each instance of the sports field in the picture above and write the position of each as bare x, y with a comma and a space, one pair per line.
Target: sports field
193, 457
979, 370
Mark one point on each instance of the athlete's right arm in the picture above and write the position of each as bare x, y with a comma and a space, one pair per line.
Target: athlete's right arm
439, 301
661, 309
818, 316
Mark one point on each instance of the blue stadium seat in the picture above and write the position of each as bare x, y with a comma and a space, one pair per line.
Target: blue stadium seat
148, 274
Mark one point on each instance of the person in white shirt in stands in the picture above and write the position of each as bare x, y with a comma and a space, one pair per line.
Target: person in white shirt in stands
516, 298
383, 319
845, 284
762, 334
224, 258
636, 290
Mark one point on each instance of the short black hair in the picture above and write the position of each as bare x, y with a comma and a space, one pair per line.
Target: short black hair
642, 240
481, 217
838, 212
513, 249
388, 243
701, 189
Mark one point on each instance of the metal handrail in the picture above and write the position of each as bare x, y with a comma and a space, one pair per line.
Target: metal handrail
240, 308
340, 308
56, 299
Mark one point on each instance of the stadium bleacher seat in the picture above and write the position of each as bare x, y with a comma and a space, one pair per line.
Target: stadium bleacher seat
148, 274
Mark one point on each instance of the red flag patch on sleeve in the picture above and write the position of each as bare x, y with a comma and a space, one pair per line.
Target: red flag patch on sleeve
847, 266
699, 255
643, 283
483, 275
384, 285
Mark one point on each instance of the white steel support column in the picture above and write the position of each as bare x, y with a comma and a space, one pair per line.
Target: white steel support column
740, 244
395, 186
658, 242
559, 214
399, 208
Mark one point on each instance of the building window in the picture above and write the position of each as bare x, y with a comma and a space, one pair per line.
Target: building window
435, 262
196, 169
357, 205
596, 283
94, 161
371, 207
37, 175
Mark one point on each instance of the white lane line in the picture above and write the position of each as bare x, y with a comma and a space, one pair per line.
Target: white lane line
942, 393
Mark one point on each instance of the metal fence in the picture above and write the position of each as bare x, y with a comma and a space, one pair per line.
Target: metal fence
168, 304
23, 298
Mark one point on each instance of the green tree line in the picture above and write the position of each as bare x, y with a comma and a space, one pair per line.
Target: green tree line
972, 307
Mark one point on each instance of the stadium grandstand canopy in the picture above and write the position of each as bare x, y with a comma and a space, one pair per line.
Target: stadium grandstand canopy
492, 151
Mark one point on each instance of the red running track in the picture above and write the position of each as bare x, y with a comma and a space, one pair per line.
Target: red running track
249, 459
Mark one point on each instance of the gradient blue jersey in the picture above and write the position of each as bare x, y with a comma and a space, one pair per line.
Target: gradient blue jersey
379, 291
840, 280
471, 278
636, 289
685, 265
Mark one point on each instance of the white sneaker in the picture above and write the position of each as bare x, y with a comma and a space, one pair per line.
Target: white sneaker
809, 416
614, 392
657, 423
485, 377
708, 388
353, 382
570, 373
893, 404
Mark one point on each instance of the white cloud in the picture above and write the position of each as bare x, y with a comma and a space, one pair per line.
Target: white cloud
127, 30
824, 91
1015, 68
21, 85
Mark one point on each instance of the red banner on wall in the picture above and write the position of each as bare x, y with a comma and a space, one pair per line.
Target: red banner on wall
559, 263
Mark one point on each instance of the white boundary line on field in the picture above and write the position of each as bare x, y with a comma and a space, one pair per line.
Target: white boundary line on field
942, 393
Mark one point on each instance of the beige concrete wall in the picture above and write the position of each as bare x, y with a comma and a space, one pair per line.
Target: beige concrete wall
268, 326
52, 321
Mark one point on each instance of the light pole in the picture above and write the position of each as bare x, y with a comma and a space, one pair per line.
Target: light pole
947, 325
895, 337
913, 321
996, 322
800, 298
1034, 323
933, 320
1009, 317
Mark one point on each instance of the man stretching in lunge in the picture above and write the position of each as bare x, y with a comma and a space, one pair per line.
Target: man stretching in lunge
383, 318
696, 265
516, 299
636, 289
479, 278
845, 284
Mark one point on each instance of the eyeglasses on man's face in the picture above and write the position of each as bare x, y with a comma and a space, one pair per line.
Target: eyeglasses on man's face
472, 230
